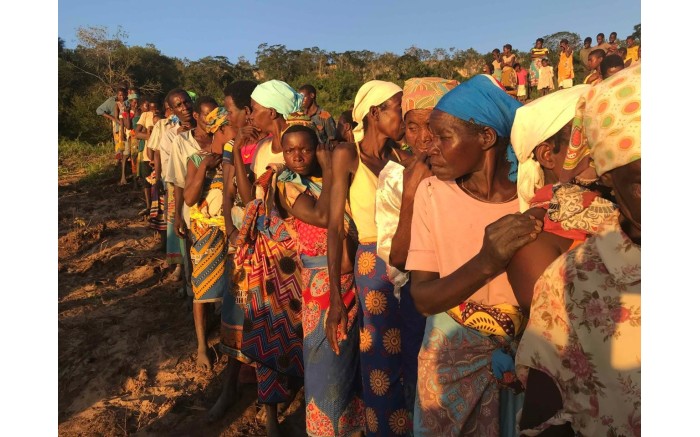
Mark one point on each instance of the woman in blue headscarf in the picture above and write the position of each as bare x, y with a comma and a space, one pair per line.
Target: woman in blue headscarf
465, 228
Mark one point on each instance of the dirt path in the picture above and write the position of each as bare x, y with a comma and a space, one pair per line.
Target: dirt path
126, 341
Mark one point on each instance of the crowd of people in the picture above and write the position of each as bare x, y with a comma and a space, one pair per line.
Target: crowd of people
445, 261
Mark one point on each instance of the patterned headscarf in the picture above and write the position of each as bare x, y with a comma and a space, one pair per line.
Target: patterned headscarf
534, 123
482, 100
373, 93
298, 118
606, 131
424, 92
215, 119
279, 96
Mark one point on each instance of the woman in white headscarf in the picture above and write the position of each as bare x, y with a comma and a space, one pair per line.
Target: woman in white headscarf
355, 171
570, 211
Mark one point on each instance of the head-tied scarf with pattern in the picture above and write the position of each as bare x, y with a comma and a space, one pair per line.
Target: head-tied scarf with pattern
534, 123
373, 93
424, 92
483, 101
215, 119
279, 96
298, 118
606, 131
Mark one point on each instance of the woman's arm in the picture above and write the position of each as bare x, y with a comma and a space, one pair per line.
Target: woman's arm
502, 239
344, 156
245, 135
229, 196
400, 243
306, 208
195, 177
141, 132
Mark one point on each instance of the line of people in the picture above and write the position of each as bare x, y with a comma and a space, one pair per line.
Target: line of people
483, 281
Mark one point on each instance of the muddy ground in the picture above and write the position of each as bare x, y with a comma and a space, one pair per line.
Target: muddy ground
126, 340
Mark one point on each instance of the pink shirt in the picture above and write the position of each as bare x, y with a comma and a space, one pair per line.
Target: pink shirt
448, 230
522, 76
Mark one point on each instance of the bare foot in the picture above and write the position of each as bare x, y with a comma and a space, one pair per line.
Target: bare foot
272, 426
122, 182
203, 360
225, 401
175, 274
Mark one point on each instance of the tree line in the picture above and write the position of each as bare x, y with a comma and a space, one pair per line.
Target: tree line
100, 62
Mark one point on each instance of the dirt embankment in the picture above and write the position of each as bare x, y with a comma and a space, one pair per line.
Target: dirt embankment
126, 341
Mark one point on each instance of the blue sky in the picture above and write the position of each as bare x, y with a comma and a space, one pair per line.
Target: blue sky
232, 29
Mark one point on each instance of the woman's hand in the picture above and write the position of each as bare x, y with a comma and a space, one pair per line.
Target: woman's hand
506, 236
336, 324
415, 172
212, 160
245, 136
323, 156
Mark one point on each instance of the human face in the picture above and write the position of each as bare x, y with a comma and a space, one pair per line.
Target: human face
201, 116
486, 69
181, 105
389, 121
538, 44
261, 117
599, 39
562, 141
299, 153
223, 135
594, 62
455, 150
308, 99
418, 135
152, 107
626, 181
344, 131
613, 37
236, 117
121, 96
586, 44
630, 42
506, 50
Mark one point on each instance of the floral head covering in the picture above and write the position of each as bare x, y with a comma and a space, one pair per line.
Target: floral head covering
606, 132
424, 92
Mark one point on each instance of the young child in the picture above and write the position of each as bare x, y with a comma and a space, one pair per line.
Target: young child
522, 82
121, 111
594, 60
546, 81
632, 51
614, 43
497, 64
611, 65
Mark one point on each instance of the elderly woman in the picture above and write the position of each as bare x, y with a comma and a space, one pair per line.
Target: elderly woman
583, 338
457, 259
272, 103
355, 171
395, 191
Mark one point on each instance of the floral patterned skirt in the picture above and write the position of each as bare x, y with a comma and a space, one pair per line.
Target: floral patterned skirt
332, 383
380, 347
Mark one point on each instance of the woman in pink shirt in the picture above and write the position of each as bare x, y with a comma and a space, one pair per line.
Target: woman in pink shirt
465, 228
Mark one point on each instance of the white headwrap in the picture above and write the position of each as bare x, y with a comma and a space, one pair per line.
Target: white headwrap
373, 93
534, 123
